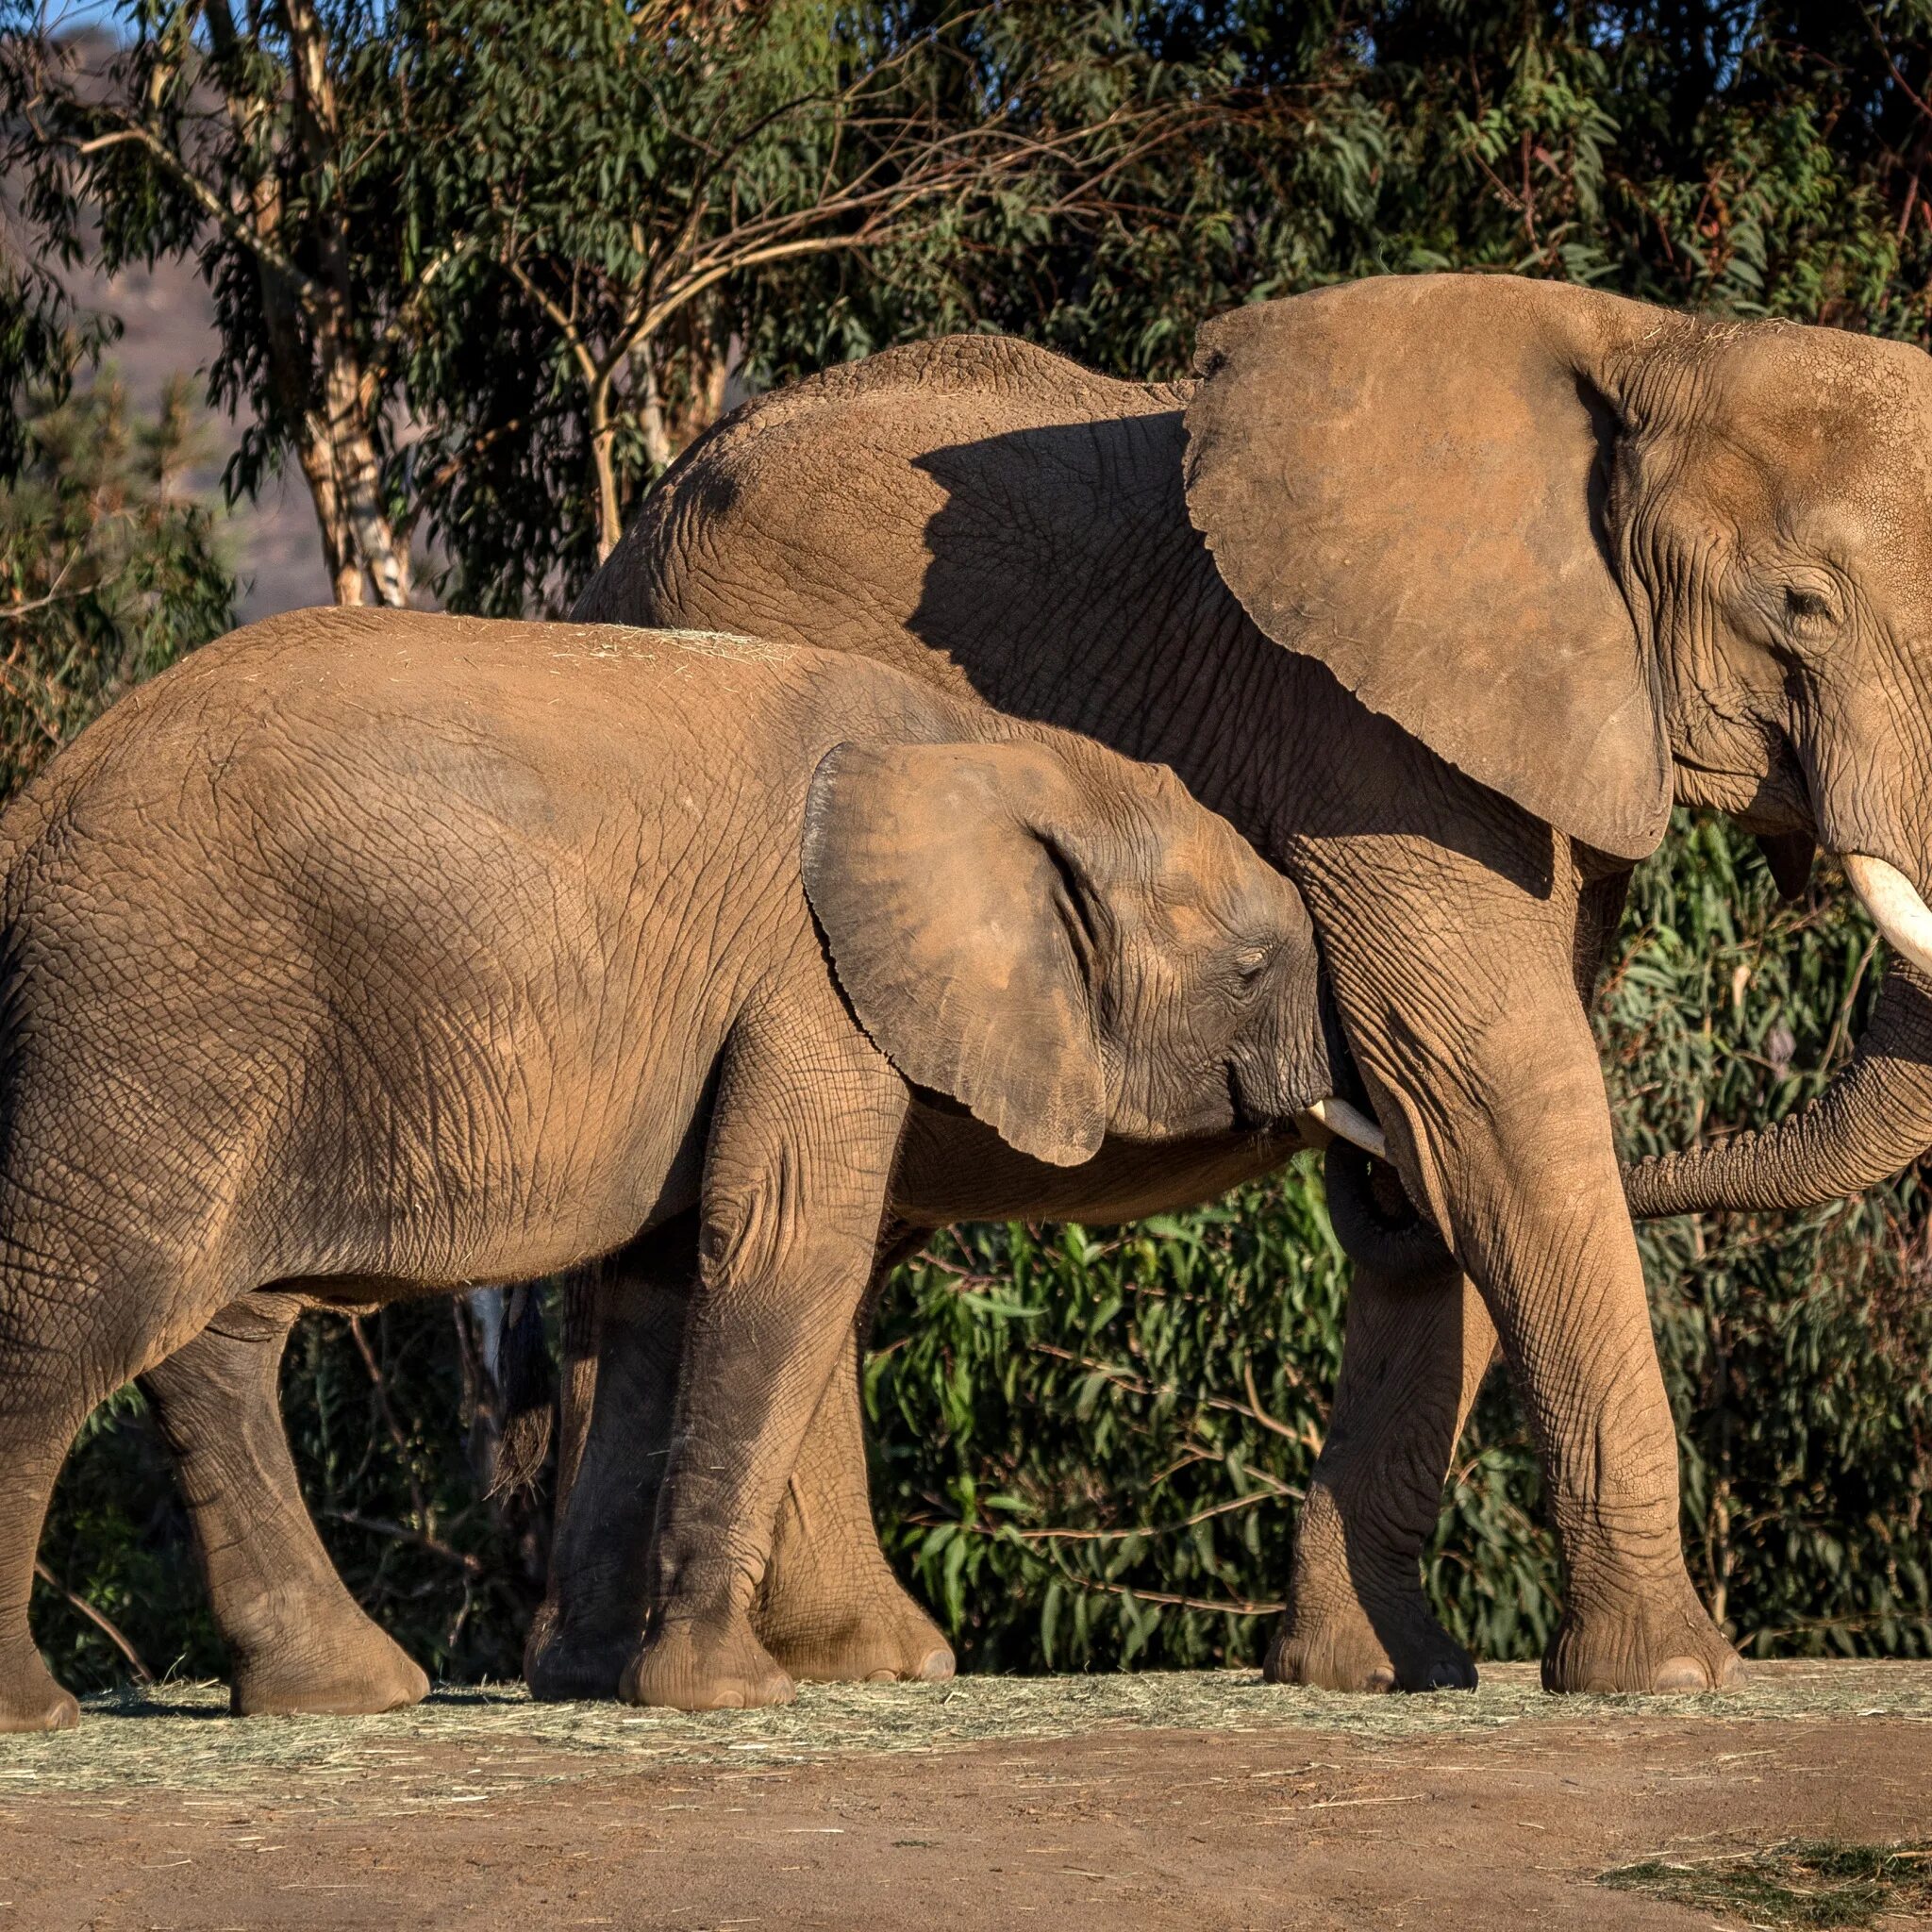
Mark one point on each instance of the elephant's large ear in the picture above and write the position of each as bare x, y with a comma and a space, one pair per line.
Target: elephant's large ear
1405, 478
961, 929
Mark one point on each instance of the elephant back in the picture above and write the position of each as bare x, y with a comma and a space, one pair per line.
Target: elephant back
976, 512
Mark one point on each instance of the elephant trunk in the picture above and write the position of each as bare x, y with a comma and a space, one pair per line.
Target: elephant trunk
1874, 1119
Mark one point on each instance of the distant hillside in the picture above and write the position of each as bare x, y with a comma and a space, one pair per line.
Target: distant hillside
168, 329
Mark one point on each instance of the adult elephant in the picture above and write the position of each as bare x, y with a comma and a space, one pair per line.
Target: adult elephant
1493, 571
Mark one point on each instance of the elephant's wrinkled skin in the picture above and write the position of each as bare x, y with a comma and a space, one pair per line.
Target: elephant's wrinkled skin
1493, 571
366, 954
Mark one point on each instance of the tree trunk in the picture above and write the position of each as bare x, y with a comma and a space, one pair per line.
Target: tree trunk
314, 368
652, 418
603, 464
366, 541
317, 457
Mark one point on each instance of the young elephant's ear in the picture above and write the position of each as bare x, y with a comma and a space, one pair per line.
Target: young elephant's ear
952, 912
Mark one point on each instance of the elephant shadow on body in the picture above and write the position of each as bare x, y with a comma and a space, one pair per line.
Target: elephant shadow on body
1126, 539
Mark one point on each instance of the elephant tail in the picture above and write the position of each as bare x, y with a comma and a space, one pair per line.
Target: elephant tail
528, 1379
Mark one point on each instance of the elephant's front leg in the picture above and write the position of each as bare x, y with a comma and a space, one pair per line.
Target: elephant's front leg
296, 1640
1413, 1360
831, 1610
1480, 1061
807, 1124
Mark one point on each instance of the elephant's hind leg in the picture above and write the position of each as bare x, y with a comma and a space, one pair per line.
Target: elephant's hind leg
74, 1326
33, 1446
1412, 1361
296, 1640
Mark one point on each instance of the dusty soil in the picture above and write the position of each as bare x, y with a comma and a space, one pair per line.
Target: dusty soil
1202, 1801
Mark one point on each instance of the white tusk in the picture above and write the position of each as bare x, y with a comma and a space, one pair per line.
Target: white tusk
1349, 1123
1895, 906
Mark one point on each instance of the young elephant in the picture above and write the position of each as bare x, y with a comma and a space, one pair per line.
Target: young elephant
367, 954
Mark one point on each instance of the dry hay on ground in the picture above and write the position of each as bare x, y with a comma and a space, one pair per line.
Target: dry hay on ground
471, 1742
1797, 1885
1168, 1802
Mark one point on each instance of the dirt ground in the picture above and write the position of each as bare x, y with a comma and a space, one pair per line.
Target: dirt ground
1198, 1801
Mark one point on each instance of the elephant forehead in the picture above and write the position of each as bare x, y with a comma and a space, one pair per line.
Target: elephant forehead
1844, 420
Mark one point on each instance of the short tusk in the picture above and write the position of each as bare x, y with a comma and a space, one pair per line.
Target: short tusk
1349, 1123
1895, 906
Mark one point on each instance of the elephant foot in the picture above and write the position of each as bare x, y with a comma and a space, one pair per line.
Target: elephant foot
357, 1673
704, 1664
1660, 1643
882, 1637
32, 1700
1344, 1647
562, 1665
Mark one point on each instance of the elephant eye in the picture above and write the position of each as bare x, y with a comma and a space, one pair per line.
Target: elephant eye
1807, 610
1252, 962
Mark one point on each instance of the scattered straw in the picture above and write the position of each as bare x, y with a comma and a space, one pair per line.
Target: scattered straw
470, 1743
1795, 1884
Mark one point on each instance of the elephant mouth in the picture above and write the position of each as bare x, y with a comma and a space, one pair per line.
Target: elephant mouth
1375, 1220
1337, 1118
1245, 1113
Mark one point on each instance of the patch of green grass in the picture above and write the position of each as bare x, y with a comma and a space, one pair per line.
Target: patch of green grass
1813, 1885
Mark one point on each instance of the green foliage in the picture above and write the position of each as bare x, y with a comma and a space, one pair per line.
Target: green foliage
193, 115
106, 572
598, 171
1091, 1443
634, 207
40, 345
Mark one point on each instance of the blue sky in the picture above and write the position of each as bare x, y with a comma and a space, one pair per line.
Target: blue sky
74, 13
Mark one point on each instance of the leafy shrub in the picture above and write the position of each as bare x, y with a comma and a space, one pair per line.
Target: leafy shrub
107, 571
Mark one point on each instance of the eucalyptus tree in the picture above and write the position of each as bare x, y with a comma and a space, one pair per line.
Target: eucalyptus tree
263, 139
109, 566
649, 184
43, 341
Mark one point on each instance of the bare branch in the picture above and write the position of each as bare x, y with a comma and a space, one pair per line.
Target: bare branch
565, 321
101, 1621
233, 225
1276, 1492
416, 1539
1134, 1384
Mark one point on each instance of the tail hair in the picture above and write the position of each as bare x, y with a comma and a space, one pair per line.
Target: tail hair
527, 1378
